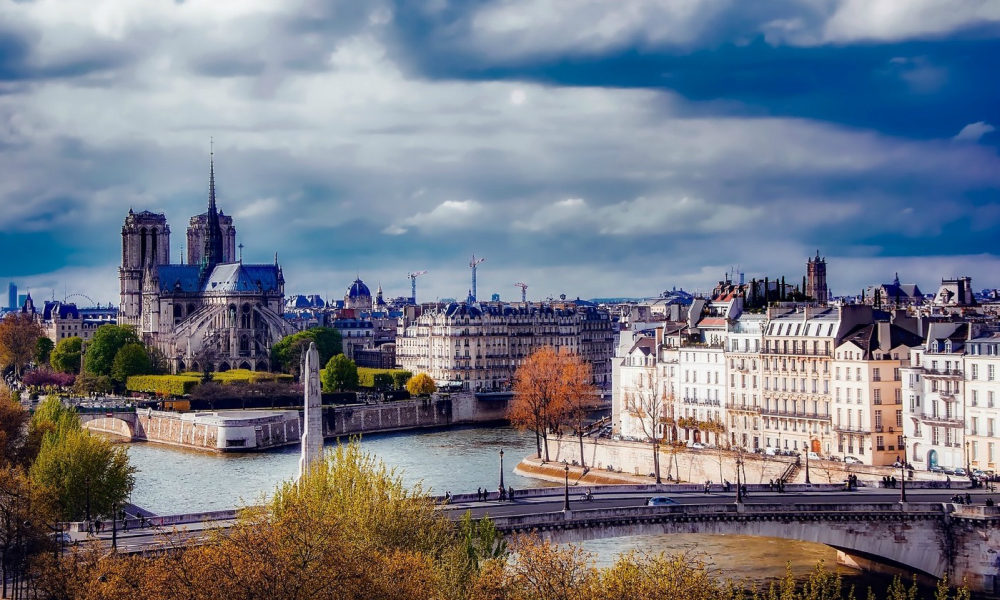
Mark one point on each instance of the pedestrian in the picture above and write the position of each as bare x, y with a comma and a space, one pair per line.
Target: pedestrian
893, 481
90, 527
447, 497
947, 482
479, 494
989, 502
743, 490
500, 494
97, 526
968, 498
510, 493
770, 485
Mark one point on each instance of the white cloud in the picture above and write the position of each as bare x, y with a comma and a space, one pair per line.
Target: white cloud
973, 132
450, 214
259, 208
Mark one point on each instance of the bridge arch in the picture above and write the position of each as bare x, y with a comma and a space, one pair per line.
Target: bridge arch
914, 542
109, 425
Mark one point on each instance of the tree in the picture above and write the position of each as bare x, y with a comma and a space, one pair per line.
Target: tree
647, 403
75, 465
421, 384
132, 359
24, 508
340, 374
65, 357
287, 353
87, 384
580, 395
43, 349
19, 335
544, 387
108, 340
13, 429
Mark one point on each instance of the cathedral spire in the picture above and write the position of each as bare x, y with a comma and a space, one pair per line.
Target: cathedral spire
213, 253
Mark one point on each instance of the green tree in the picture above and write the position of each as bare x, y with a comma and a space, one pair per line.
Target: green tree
13, 422
74, 464
341, 374
132, 359
108, 340
421, 384
288, 352
65, 357
87, 384
43, 349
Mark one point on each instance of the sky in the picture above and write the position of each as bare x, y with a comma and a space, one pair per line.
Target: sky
595, 148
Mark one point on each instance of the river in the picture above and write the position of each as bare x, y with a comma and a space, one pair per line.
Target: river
175, 480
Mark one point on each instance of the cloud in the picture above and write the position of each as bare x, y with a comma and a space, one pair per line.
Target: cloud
516, 29
450, 214
259, 208
973, 132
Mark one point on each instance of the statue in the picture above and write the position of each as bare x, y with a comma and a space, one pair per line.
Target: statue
312, 427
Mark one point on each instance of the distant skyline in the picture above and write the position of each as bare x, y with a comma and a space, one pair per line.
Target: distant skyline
617, 148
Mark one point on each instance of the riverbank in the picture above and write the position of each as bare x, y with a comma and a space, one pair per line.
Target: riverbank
555, 472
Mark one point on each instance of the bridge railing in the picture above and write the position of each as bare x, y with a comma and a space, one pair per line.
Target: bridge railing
651, 489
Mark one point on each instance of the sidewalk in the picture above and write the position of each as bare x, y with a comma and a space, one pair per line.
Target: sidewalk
555, 472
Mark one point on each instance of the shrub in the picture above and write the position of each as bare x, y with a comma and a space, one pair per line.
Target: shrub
246, 376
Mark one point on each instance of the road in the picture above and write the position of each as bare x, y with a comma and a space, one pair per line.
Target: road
153, 539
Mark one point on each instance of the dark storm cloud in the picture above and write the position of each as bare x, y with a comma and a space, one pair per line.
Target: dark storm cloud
585, 150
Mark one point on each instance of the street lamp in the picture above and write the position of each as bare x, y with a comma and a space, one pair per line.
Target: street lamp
808, 451
902, 472
501, 469
566, 498
739, 487
114, 527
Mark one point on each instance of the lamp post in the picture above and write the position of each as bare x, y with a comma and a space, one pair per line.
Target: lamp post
902, 472
739, 487
501, 468
968, 464
566, 497
114, 528
808, 451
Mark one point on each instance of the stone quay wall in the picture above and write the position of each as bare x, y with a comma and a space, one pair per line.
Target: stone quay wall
251, 430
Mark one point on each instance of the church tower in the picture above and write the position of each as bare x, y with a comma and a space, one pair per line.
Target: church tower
208, 225
816, 279
212, 253
145, 243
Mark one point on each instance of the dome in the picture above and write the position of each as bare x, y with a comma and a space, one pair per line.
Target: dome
358, 290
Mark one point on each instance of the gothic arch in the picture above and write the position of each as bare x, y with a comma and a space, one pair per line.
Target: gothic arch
223, 367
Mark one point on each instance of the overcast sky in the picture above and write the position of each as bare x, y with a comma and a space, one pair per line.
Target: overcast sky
591, 147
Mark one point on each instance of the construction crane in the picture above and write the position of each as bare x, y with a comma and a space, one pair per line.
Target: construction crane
524, 292
413, 284
473, 264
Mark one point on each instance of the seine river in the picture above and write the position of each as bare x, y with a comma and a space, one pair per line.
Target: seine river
173, 480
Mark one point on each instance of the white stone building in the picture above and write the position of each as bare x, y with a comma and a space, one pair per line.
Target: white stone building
982, 398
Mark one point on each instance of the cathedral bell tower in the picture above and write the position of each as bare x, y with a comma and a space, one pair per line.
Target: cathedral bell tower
145, 244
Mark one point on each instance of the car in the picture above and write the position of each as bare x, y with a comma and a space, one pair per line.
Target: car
851, 460
978, 473
949, 471
834, 458
62, 538
961, 472
814, 456
660, 501
697, 446
936, 469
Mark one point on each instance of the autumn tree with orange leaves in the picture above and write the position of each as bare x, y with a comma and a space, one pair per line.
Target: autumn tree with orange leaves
548, 388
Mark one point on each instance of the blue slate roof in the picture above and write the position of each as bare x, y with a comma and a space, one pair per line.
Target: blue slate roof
224, 278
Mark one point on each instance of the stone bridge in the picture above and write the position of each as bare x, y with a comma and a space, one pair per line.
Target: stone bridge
931, 539
121, 423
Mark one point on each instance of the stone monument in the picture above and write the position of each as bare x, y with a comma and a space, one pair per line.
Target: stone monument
312, 427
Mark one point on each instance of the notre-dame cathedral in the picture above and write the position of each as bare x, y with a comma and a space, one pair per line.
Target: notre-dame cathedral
214, 312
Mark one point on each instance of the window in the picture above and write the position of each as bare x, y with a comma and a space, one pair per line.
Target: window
975, 371
990, 372
879, 443
989, 399
975, 398
989, 427
877, 396
899, 418
990, 452
974, 426
878, 420
899, 396
876, 375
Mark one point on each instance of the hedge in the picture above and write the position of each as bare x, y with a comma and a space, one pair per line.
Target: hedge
246, 376
163, 385
366, 376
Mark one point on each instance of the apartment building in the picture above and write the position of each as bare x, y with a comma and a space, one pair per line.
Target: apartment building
982, 386
867, 392
934, 418
743, 346
479, 346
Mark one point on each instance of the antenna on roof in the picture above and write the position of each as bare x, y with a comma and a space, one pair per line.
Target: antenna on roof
241, 252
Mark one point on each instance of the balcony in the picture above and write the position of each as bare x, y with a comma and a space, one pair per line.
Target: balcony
701, 402
854, 429
953, 373
796, 414
943, 421
799, 352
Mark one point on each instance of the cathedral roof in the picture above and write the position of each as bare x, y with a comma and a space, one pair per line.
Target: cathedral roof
229, 277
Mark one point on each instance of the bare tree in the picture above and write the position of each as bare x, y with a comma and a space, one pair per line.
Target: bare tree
647, 404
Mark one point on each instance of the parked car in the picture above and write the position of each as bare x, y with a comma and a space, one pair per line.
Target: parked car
978, 473
936, 469
814, 456
961, 472
697, 446
949, 471
660, 501
851, 460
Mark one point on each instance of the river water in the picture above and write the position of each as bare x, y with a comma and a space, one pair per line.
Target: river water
173, 480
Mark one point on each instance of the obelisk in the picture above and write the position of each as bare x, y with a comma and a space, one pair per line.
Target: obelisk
312, 427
